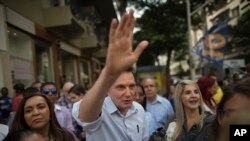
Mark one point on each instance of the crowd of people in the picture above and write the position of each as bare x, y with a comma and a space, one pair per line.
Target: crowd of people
117, 108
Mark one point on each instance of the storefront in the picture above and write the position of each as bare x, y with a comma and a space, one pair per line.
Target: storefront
85, 75
25, 57
30, 52
4, 71
97, 67
68, 63
43, 57
21, 56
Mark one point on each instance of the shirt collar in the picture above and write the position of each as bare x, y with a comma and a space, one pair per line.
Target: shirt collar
111, 107
57, 107
157, 100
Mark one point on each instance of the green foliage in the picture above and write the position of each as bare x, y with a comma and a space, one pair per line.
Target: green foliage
164, 26
241, 34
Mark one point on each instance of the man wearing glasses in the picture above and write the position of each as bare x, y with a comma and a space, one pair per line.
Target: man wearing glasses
62, 113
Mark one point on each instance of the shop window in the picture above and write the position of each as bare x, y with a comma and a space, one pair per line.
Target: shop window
20, 45
84, 74
68, 67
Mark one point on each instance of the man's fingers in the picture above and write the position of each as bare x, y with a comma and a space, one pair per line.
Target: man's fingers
122, 23
113, 28
130, 24
131, 19
140, 47
124, 27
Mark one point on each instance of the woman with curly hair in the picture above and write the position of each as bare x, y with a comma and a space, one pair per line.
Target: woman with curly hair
36, 113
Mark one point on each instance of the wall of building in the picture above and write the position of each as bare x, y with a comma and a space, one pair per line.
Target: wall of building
32, 9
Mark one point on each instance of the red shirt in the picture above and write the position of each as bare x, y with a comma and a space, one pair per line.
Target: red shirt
16, 101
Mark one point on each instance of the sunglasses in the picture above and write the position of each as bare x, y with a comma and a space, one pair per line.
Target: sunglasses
48, 91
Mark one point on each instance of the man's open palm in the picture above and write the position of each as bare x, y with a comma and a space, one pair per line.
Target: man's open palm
120, 52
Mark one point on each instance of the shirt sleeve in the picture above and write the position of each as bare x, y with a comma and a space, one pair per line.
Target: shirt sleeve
87, 126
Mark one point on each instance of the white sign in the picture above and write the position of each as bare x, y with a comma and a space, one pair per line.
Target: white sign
234, 63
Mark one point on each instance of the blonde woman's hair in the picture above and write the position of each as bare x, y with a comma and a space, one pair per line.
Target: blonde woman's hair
180, 113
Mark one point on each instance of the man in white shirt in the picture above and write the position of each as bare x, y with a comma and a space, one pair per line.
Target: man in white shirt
107, 112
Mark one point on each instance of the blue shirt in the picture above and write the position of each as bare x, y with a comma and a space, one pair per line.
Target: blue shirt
113, 126
5, 108
161, 110
150, 122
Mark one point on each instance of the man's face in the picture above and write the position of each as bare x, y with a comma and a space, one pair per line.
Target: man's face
122, 91
74, 97
66, 89
4, 92
150, 88
51, 92
236, 103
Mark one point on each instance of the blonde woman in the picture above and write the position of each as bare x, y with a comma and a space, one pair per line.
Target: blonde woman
191, 123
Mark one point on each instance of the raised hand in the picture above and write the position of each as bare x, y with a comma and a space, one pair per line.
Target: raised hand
119, 58
120, 52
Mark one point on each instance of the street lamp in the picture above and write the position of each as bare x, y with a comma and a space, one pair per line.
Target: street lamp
189, 15
191, 63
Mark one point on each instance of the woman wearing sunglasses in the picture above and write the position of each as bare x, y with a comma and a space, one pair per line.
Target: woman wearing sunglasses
191, 122
36, 113
63, 115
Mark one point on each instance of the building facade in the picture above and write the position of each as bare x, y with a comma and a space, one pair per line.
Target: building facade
51, 40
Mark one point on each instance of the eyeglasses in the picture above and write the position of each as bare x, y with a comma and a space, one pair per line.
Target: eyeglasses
48, 91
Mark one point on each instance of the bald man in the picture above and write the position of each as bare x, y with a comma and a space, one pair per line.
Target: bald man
64, 98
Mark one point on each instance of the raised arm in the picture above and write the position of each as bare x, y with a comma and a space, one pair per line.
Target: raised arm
120, 57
